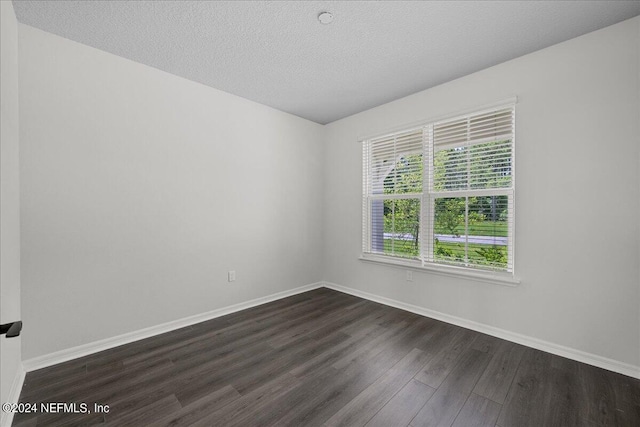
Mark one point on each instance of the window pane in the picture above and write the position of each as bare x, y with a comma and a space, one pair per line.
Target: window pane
472, 231
396, 163
450, 169
490, 165
395, 227
488, 231
409, 174
382, 164
486, 165
449, 230
405, 176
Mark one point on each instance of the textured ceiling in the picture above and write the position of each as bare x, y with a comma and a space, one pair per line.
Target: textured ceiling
278, 54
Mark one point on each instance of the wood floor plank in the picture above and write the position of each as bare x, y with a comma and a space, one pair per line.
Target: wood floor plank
120, 409
321, 394
328, 358
478, 412
445, 360
25, 419
330, 396
148, 344
65, 420
150, 413
198, 377
362, 408
441, 410
201, 408
31, 422
308, 390
494, 384
567, 402
450, 397
627, 415
111, 393
75, 391
238, 411
375, 345
401, 409
325, 357
374, 317
226, 334
597, 390
46, 376
351, 380
486, 343
466, 373
281, 364
528, 398
340, 317
627, 389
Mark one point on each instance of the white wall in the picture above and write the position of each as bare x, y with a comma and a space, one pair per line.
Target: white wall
577, 197
9, 197
140, 190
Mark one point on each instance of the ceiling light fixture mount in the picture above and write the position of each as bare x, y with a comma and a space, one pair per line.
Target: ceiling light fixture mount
325, 18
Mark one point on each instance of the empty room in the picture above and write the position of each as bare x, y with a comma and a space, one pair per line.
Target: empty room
320, 213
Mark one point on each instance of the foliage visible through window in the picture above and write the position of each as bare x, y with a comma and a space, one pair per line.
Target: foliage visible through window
443, 193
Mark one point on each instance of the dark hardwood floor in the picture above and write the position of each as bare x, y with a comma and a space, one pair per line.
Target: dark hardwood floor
327, 358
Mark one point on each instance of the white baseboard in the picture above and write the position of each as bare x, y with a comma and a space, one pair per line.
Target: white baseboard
105, 344
549, 347
6, 418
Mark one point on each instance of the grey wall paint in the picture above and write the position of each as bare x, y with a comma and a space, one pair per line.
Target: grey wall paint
140, 190
577, 196
9, 197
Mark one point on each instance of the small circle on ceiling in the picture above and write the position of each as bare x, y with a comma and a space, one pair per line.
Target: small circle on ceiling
325, 18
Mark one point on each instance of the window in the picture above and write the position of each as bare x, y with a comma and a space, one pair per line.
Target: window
442, 193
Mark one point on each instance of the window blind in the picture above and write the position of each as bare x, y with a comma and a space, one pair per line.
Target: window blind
396, 163
443, 192
471, 191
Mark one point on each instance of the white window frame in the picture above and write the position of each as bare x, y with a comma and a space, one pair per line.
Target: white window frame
427, 198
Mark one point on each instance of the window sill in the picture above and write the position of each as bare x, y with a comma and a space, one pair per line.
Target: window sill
504, 279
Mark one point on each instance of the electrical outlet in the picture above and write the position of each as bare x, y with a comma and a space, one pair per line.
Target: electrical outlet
231, 275
409, 276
